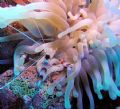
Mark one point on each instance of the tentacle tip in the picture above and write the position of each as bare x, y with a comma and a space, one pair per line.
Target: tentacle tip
100, 97
113, 96
59, 36
67, 105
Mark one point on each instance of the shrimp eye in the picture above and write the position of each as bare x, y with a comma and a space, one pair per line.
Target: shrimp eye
47, 57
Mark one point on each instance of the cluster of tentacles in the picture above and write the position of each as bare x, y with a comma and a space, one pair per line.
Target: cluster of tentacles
65, 41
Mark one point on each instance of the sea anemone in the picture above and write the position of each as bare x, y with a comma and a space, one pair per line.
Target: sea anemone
66, 41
